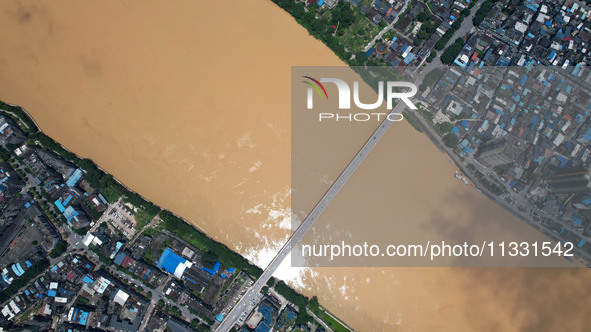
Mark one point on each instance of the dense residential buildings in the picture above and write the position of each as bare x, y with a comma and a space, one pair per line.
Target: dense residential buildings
78, 252
500, 151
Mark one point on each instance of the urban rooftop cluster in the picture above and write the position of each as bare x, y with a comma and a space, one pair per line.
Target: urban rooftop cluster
80, 252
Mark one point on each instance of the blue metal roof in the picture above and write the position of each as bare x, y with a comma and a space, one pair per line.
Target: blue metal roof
16, 270
169, 261
73, 180
60, 206
70, 213
215, 269
266, 311
83, 318
118, 246
119, 258
409, 58
67, 200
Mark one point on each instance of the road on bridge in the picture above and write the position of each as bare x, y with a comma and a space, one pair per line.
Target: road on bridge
241, 306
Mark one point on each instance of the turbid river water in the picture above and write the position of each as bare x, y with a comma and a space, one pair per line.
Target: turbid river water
188, 103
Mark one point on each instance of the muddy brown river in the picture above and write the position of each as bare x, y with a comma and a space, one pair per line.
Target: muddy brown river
188, 103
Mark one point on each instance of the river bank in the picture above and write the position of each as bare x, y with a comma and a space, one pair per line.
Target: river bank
146, 96
169, 221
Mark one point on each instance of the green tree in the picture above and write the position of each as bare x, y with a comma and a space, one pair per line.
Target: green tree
106, 181
303, 317
451, 140
314, 305
431, 56
59, 249
422, 17
446, 127
203, 328
298, 10
430, 27
208, 259
452, 51
150, 208
319, 26
343, 15
81, 231
482, 12
271, 282
291, 295
361, 57
93, 174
